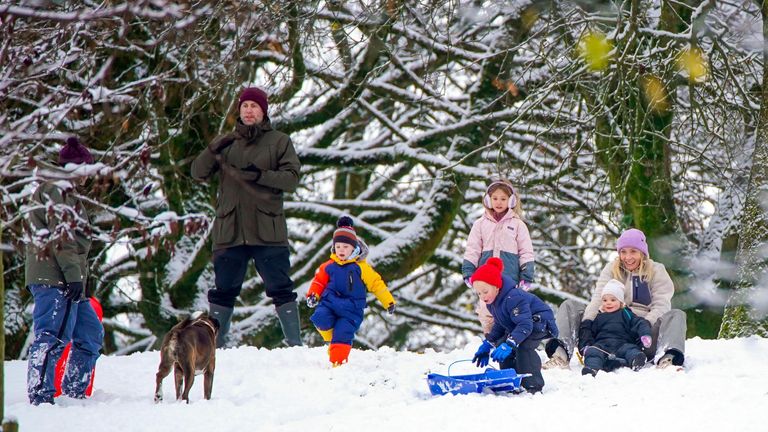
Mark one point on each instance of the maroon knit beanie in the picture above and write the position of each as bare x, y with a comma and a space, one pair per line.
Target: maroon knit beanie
490, 272
74, 152
254, 94
345, 233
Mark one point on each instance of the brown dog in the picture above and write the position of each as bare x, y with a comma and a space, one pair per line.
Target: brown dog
190, 347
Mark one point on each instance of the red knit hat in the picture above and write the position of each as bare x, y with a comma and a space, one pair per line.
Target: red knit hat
490, 272
345, 233
254, 94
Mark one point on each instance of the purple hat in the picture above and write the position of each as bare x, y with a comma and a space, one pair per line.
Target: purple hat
74, 152
633, 238
254, 94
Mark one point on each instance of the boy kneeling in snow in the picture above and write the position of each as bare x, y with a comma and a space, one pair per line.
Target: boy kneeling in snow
520, 321
616, 337
339, 289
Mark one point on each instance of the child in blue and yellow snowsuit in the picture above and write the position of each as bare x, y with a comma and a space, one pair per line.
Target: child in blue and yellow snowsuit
339, 290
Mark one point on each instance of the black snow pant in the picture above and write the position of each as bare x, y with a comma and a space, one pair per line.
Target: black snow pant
597, 360
272, 264
525, 359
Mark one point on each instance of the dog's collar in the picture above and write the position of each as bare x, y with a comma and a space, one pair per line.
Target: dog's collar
208, 324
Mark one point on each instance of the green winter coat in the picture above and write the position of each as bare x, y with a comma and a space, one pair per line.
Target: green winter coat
255, 170
58, 221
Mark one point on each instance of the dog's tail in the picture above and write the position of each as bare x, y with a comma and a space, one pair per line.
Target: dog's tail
171, 347
184, 324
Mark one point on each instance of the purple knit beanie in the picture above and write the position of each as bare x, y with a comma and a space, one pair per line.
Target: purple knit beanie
634, 238
74, 152
254, 94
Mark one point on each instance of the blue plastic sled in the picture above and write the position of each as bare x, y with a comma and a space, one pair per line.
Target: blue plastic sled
498, 381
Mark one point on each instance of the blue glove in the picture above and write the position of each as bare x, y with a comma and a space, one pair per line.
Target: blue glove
481, 356
503, 351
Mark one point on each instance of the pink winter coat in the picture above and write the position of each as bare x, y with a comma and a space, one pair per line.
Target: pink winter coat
507, 239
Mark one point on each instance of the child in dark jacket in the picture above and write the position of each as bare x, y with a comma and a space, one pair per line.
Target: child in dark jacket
616, 337
339, 290
520, 322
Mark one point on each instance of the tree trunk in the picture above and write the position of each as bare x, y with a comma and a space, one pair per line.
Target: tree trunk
743, 316
10, 425
2, 334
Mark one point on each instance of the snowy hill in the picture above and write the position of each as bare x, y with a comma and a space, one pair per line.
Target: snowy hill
724, 388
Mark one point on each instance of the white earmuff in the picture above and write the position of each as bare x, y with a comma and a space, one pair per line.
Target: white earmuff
487, 196
512, 200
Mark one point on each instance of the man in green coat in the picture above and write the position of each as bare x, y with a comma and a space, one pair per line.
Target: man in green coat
256, 165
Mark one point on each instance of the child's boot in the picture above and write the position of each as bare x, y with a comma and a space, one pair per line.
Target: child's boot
637, 362
339, 353
588, 371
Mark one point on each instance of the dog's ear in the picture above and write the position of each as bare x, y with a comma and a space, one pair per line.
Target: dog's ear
215, 322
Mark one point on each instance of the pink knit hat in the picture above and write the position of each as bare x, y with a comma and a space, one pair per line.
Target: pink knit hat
633, 238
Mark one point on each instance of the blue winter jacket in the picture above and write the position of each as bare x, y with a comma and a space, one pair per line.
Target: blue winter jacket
518, 314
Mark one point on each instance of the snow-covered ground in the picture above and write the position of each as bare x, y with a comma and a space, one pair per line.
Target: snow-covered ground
723, 388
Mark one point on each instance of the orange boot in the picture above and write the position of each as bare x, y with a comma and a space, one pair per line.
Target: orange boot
338, 353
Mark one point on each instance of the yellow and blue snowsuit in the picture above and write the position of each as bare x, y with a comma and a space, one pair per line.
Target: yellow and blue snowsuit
341, 287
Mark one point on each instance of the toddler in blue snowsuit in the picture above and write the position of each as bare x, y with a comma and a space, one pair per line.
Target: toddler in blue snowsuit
616, 337
521, 322
339, 291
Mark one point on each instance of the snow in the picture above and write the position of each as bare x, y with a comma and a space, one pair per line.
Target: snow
723, 388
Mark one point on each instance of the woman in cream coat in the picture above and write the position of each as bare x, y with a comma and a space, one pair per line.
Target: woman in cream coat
648, 293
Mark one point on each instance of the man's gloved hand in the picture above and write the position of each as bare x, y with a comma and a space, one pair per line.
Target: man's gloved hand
503, 351
467, 282
218, 145
391, 309
73, 291
481, 356
524, 285
312, 301
646, 341
252, 172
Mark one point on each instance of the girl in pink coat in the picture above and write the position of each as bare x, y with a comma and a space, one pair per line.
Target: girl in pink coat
500, 232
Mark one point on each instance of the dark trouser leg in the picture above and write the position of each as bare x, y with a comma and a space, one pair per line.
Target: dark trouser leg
527, 361
274, 265
633, 356
229, 265
54, 323
594, 359
87, 339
